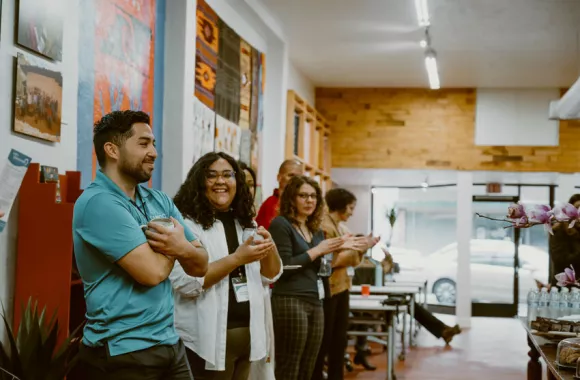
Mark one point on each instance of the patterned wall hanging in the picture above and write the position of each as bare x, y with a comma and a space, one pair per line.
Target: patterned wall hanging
206, 54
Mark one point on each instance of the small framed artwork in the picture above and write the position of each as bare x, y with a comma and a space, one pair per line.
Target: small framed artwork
38, 99
40, 26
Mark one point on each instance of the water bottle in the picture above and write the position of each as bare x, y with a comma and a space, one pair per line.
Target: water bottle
564, 302
543, 303
574, 301
554, 305
533, 304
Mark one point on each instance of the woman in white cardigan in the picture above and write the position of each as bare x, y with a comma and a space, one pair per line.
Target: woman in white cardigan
221, 317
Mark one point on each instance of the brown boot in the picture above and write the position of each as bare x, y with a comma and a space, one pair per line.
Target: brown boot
449, 332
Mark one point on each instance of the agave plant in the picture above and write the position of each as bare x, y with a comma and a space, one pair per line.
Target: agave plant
32, 353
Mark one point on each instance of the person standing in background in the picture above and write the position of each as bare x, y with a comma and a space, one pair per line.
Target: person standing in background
297, 296
124, 258
270, 207
341, 204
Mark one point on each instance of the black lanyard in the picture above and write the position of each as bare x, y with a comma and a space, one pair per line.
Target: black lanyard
138, 197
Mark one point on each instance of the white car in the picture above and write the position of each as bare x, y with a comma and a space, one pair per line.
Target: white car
492, 271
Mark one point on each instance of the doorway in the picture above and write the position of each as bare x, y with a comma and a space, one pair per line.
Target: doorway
496, 286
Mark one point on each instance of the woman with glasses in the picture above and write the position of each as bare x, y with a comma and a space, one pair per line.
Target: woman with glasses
221, 317
296, 297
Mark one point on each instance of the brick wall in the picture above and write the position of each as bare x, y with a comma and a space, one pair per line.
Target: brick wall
418, 129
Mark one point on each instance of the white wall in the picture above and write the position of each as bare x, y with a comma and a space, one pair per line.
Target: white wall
62, 155
360, 221
515, 117
298, 82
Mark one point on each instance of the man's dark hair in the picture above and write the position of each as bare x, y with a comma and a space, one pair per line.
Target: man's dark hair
244, 166
115, 127
338, 199
192, 201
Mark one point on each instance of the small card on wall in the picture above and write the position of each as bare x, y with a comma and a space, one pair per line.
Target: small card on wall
11, 178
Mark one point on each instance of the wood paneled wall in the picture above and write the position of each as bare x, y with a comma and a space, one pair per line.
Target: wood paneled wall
418, 129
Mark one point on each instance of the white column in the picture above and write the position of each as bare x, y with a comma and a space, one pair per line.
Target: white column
178, 92
463, 232
274, 132
566, 187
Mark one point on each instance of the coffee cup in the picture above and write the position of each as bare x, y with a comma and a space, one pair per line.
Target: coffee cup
164, 222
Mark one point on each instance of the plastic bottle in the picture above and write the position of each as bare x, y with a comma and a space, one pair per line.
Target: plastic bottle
543, 303
533, 304
574, 301
564, 305
554, 305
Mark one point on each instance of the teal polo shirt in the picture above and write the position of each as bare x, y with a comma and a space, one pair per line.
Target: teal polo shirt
121, 313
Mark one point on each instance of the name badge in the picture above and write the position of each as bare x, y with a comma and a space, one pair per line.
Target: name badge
350, 271
320, 289
240, 285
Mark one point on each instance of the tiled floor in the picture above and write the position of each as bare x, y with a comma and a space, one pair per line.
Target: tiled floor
492, 348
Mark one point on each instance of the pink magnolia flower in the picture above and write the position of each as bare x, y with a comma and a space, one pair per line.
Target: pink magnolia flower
516, 211
542, 215
568, 277
567, 213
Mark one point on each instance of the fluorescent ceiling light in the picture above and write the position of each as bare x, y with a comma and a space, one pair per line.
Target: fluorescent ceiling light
432, 72
422, 12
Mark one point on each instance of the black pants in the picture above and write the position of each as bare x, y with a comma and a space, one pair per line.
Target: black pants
237, 358
334, 342
298, 331
429, 321
156, 363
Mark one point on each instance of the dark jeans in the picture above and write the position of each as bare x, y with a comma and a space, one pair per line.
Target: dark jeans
334, 341
156, 363
429, 321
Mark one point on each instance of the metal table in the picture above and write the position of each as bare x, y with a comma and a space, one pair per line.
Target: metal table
374, 305
399, 290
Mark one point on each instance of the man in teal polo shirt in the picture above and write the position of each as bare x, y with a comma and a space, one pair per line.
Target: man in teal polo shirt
124, 259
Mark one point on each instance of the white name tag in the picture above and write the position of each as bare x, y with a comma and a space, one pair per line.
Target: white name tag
350, 271
241, 289
320, 289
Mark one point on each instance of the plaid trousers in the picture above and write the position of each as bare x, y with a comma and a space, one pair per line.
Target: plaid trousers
298, 331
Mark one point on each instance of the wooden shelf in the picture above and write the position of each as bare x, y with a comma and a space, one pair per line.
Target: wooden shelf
308, 139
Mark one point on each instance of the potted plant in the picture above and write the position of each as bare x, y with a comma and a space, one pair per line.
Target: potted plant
32, 353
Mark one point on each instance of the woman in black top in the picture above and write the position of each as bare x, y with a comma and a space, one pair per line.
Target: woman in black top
296, 297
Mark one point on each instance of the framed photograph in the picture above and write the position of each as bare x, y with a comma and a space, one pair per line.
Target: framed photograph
40, 26
38, 99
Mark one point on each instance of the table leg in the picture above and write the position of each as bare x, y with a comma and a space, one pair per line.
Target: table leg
412, 323
390, 315
403, 338
534, 365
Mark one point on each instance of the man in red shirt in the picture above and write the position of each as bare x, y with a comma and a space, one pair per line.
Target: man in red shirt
269, 209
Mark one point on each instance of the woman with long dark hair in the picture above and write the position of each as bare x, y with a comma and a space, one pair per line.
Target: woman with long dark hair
296, 298
220, 317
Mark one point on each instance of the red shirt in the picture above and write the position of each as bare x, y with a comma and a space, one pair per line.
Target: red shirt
268, 210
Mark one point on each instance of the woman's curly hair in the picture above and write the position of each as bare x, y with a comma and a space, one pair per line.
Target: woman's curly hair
288, 200
193, 203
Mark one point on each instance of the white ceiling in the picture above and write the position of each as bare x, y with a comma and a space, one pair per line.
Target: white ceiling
479, 43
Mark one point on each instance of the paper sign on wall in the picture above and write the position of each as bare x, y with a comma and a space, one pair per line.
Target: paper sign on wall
11, 178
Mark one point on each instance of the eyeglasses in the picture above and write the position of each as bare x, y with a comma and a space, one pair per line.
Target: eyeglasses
227, 175
305, 196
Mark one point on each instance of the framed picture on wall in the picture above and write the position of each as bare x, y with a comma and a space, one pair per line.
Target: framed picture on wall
40, 26
37, 99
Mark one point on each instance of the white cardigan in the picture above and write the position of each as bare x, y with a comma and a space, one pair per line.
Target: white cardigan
201, 315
